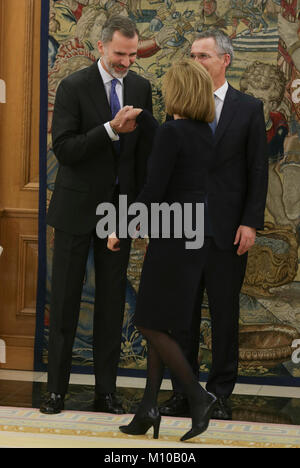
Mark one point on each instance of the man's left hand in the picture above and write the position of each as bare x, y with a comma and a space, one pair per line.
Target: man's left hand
245, 237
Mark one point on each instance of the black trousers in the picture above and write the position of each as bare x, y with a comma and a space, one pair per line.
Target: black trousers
69, 267
223, 276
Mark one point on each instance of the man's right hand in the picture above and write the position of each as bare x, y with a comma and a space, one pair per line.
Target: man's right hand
113, 243
124, 121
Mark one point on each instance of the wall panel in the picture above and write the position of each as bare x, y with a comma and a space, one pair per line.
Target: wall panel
19, 177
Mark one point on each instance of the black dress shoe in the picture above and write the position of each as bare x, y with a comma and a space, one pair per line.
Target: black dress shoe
54, 404
141, 423
108, 403
222, 409
177, 405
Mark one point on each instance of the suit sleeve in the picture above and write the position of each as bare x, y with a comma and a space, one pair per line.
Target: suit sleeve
144, 144
69, 144
148, 125
257, 166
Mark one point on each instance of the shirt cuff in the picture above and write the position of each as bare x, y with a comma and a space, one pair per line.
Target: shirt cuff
110, 132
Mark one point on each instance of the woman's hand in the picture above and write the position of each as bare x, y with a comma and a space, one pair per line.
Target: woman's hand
113, 243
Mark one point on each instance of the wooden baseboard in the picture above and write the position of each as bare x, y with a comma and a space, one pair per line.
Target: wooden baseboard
19, 352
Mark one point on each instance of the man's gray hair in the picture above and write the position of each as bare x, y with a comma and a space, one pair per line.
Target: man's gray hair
123, 24
223, 42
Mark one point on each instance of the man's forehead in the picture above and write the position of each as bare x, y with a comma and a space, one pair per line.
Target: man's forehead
119, 49
120, 43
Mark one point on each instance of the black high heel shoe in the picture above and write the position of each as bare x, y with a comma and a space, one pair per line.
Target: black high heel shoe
142, 423
201, 415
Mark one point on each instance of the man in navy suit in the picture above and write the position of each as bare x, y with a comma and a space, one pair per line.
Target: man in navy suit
96, 164
234, 210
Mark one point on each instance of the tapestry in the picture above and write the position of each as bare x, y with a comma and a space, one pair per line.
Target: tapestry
266, 40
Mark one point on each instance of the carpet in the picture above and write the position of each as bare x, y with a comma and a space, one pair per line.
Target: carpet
20, 427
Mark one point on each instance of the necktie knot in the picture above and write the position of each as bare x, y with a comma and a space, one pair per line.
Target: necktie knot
114, 83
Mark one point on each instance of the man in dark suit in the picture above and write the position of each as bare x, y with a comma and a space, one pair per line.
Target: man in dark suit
234, 210
96, 164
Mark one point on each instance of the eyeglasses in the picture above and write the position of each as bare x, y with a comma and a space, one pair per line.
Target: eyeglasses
205, 56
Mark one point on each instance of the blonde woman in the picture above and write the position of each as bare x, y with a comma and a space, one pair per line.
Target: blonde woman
177, 172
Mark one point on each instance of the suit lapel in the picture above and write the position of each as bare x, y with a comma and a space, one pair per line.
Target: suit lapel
230, 107
97, 93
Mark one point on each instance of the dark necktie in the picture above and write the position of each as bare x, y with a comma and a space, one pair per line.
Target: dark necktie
115, 107
213, 125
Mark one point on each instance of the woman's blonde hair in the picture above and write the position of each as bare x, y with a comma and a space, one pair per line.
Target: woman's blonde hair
188, 91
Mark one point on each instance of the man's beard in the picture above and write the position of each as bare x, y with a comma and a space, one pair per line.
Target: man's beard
112, 71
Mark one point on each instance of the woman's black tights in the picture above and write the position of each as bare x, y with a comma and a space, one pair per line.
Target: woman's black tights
164, 351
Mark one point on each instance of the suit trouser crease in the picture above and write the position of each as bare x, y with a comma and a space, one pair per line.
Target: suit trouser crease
69, 268
222, 276
110, 295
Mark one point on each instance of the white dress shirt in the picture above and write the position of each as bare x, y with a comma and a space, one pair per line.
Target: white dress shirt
220, 95
107, 79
